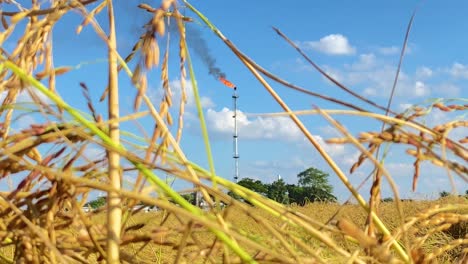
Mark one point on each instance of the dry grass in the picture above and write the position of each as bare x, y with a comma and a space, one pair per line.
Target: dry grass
41, 218
167, 237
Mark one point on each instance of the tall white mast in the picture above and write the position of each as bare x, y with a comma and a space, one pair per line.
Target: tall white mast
235, 136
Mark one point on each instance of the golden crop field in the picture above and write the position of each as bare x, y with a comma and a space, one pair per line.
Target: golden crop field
56, 158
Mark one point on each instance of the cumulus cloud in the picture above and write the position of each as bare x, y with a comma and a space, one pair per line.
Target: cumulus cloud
333, 44
400, 169
420, 90
390, 50
268, 170
447, 90
365, 62
276, 128
176, 90
395, 50
221, 124
459, 71
424, 72
370, 91
376, 79
22, 120
334, 150
404, 106
25, 96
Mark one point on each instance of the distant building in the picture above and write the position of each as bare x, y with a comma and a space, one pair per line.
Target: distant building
87, 209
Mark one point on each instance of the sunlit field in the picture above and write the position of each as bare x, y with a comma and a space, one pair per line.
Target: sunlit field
102, 184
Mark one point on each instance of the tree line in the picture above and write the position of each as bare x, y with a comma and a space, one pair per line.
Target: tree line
312, 186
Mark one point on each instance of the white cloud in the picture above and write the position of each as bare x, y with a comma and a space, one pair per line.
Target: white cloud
329, 131
420, 90
21, 119
390, 50
459, 71
176, 94
292, 163
352, 158
334, 150
424, 72
278, 128
404, 106
370, 91
365, 62
268, 170
447, 90
400, 169
334, 44
395, 50
377, 79
25, 97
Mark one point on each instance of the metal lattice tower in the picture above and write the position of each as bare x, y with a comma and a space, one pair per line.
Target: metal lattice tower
235, 136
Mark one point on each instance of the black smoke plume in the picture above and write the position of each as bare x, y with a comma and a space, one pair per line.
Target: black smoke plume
198, 44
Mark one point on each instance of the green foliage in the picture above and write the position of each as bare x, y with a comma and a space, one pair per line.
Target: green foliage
444, 194
313, 186
251, 184
190, 197
99, 202
297, 194
316, 185
313, 177
388, 200
254, 185
278, 191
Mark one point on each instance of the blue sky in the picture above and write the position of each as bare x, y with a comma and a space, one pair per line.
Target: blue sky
357, 42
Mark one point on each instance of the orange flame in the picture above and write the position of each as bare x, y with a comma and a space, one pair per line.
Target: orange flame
227, 83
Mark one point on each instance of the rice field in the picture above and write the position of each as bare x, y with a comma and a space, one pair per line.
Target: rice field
42, 218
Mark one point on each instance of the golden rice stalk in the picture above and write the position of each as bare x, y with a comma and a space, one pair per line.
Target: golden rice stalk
9, 99
136, 72
374, 201
142, 84
183, 76
18, 17
34, 154
48, 73
90, 16
165, 78
352, 230
416, 165
49, 67
449, 108
150, 51
362, 158
146, 7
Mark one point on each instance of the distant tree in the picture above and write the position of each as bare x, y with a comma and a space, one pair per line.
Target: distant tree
251, 184
278, 191
99, 202
254, 185
316, 185
190, 197
296, 194
388, 199
444, 194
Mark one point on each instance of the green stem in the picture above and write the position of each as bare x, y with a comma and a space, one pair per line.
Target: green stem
144, 170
